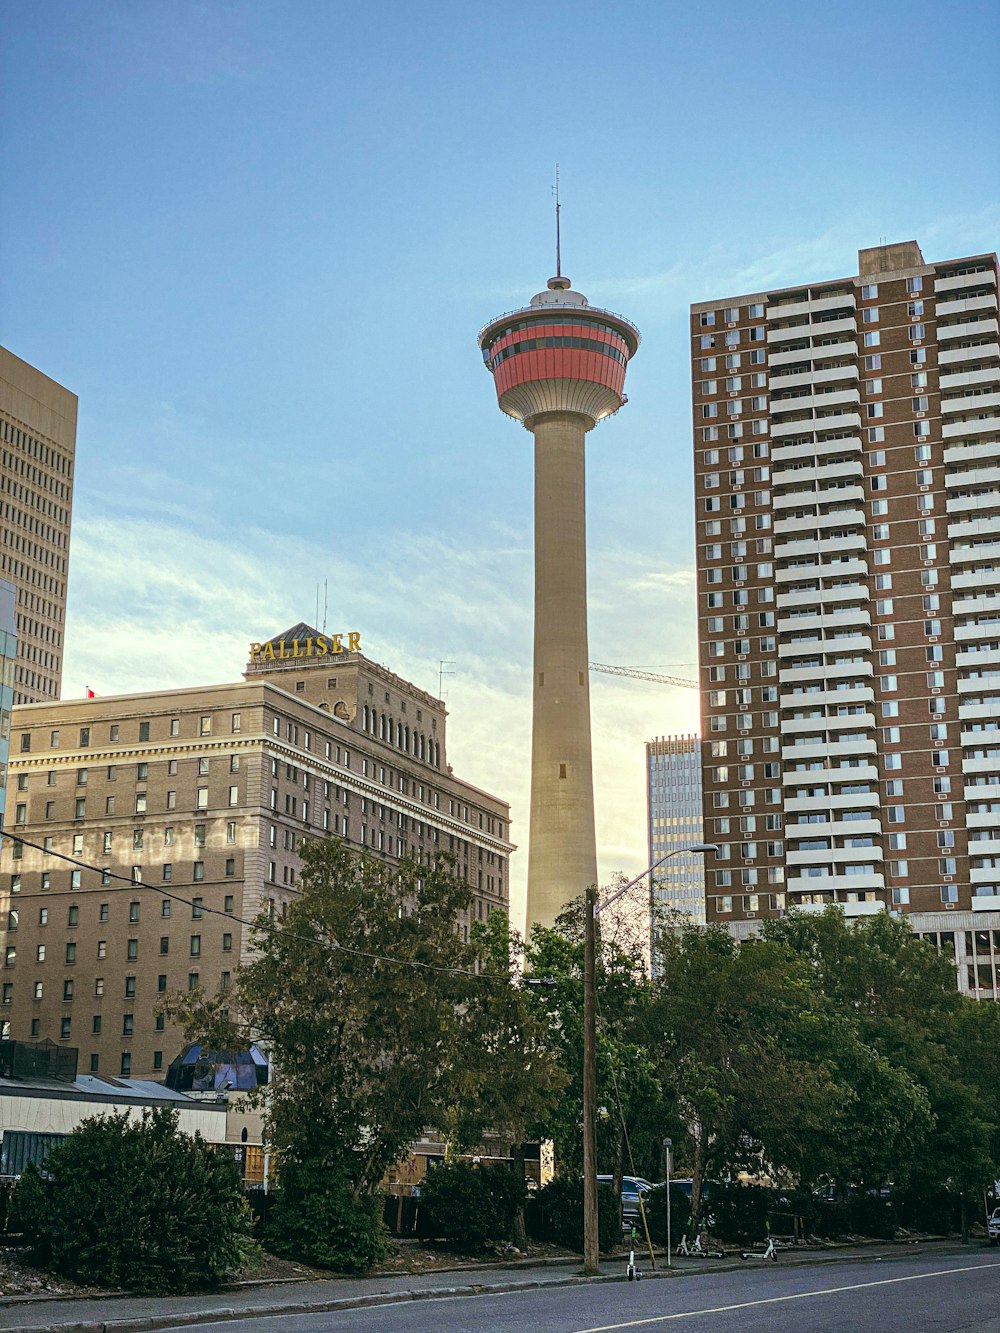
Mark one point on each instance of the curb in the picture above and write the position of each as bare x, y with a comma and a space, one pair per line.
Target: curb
142, 1323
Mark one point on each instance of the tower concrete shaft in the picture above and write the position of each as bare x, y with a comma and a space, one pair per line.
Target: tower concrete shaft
562, 848
558, 367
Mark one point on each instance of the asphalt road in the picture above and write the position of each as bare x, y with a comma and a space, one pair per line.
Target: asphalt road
943, 1292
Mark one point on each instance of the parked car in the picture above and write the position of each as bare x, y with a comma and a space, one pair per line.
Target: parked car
632, 1187
993, 1227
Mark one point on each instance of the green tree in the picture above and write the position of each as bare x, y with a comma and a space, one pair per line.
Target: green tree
719, 1027
135, 1204
626, 1074
360, 993
506, 1077
922, 1114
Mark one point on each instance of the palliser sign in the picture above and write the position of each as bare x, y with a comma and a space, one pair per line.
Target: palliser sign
323, 645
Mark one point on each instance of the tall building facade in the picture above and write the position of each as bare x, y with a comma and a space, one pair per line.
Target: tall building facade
8, 663
559, 367
847, 461
158, 825
673, 789
37, 461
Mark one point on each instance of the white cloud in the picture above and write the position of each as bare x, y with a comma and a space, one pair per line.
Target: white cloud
157, 606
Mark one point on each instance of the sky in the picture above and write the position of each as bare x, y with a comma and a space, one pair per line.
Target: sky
258, 240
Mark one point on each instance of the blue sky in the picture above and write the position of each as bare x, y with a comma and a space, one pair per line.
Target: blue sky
258, 240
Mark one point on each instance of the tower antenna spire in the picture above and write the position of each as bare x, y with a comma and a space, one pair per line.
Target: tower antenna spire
555, 191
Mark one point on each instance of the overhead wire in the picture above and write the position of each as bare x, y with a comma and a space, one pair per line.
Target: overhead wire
205, 909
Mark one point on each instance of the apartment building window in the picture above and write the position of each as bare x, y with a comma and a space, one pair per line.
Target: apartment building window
202, 798
205, 726
235, 723
195, 946
175, 726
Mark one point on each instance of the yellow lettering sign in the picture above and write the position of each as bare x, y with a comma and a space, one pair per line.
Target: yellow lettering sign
320, 646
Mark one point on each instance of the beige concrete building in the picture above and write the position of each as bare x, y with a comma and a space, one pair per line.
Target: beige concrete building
847, 461
37, 458
144, 811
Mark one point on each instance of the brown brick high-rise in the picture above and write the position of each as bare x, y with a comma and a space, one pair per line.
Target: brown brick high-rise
847, 461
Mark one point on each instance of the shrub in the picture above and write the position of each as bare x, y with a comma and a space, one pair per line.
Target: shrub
656, 1214
317, 1219
134, 1204
555, 1214
468, 1206
740, 1212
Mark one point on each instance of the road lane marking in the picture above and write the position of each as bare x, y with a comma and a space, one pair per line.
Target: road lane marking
774, 1300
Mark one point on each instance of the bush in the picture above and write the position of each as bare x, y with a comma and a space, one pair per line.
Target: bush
467, 1206
656, 1214
740, 1211
317, 1219
134, 1204
555, 1214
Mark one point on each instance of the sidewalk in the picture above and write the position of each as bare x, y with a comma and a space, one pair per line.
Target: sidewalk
122, 1314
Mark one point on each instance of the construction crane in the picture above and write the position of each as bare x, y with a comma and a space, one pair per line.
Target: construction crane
637, 674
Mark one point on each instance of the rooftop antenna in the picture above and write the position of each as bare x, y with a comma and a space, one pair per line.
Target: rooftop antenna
326, 602
443, 671
555, 191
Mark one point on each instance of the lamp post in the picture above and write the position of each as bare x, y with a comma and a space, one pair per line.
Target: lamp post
592, 909
667, 1145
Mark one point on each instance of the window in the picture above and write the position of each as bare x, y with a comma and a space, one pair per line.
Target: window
195, 946
132, 950
144, 731
202, 801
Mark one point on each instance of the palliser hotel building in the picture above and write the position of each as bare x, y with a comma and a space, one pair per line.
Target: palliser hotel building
847, 466
206, 794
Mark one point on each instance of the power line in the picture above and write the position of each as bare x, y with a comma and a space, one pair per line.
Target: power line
231, 916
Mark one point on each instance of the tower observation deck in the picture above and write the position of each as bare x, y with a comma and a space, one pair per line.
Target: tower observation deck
559, 368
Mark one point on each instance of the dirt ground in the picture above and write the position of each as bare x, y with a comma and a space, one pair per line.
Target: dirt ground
19, 1277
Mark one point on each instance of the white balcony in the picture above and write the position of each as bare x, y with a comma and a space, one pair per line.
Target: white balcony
820, 597
986, 475
814, 909
988, 820
968, 504
836, 350
965, 305
975, 527
838, 421
835, 518
804, 805
805, 675
815, 449
967, 379
793, 726
853, 643
962, 281
979, 451
811, 306
974, 766
988, 875
986, 902
833, 748
822, 401
822, 472
803, 426
979, 683
805, 378
985, 847
838, 828
971, 402
833, 619
968, 657
836, 856
973, 632
859, 694
988, 792
979, 328
867, 908
863, 773
790, 334
839, 883
966, 426
987, 601
954, 356
985, 555
984, 712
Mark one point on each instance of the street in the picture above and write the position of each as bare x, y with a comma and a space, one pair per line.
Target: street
948, 1291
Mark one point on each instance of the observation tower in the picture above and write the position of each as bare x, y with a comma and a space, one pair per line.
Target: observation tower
559, 368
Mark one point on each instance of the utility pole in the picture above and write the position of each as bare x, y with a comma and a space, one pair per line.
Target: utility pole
590, 1228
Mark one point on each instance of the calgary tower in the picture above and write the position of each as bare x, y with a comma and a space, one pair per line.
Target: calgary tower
559, 368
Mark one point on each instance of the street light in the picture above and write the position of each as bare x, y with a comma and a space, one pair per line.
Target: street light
667, 1145
592, 908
